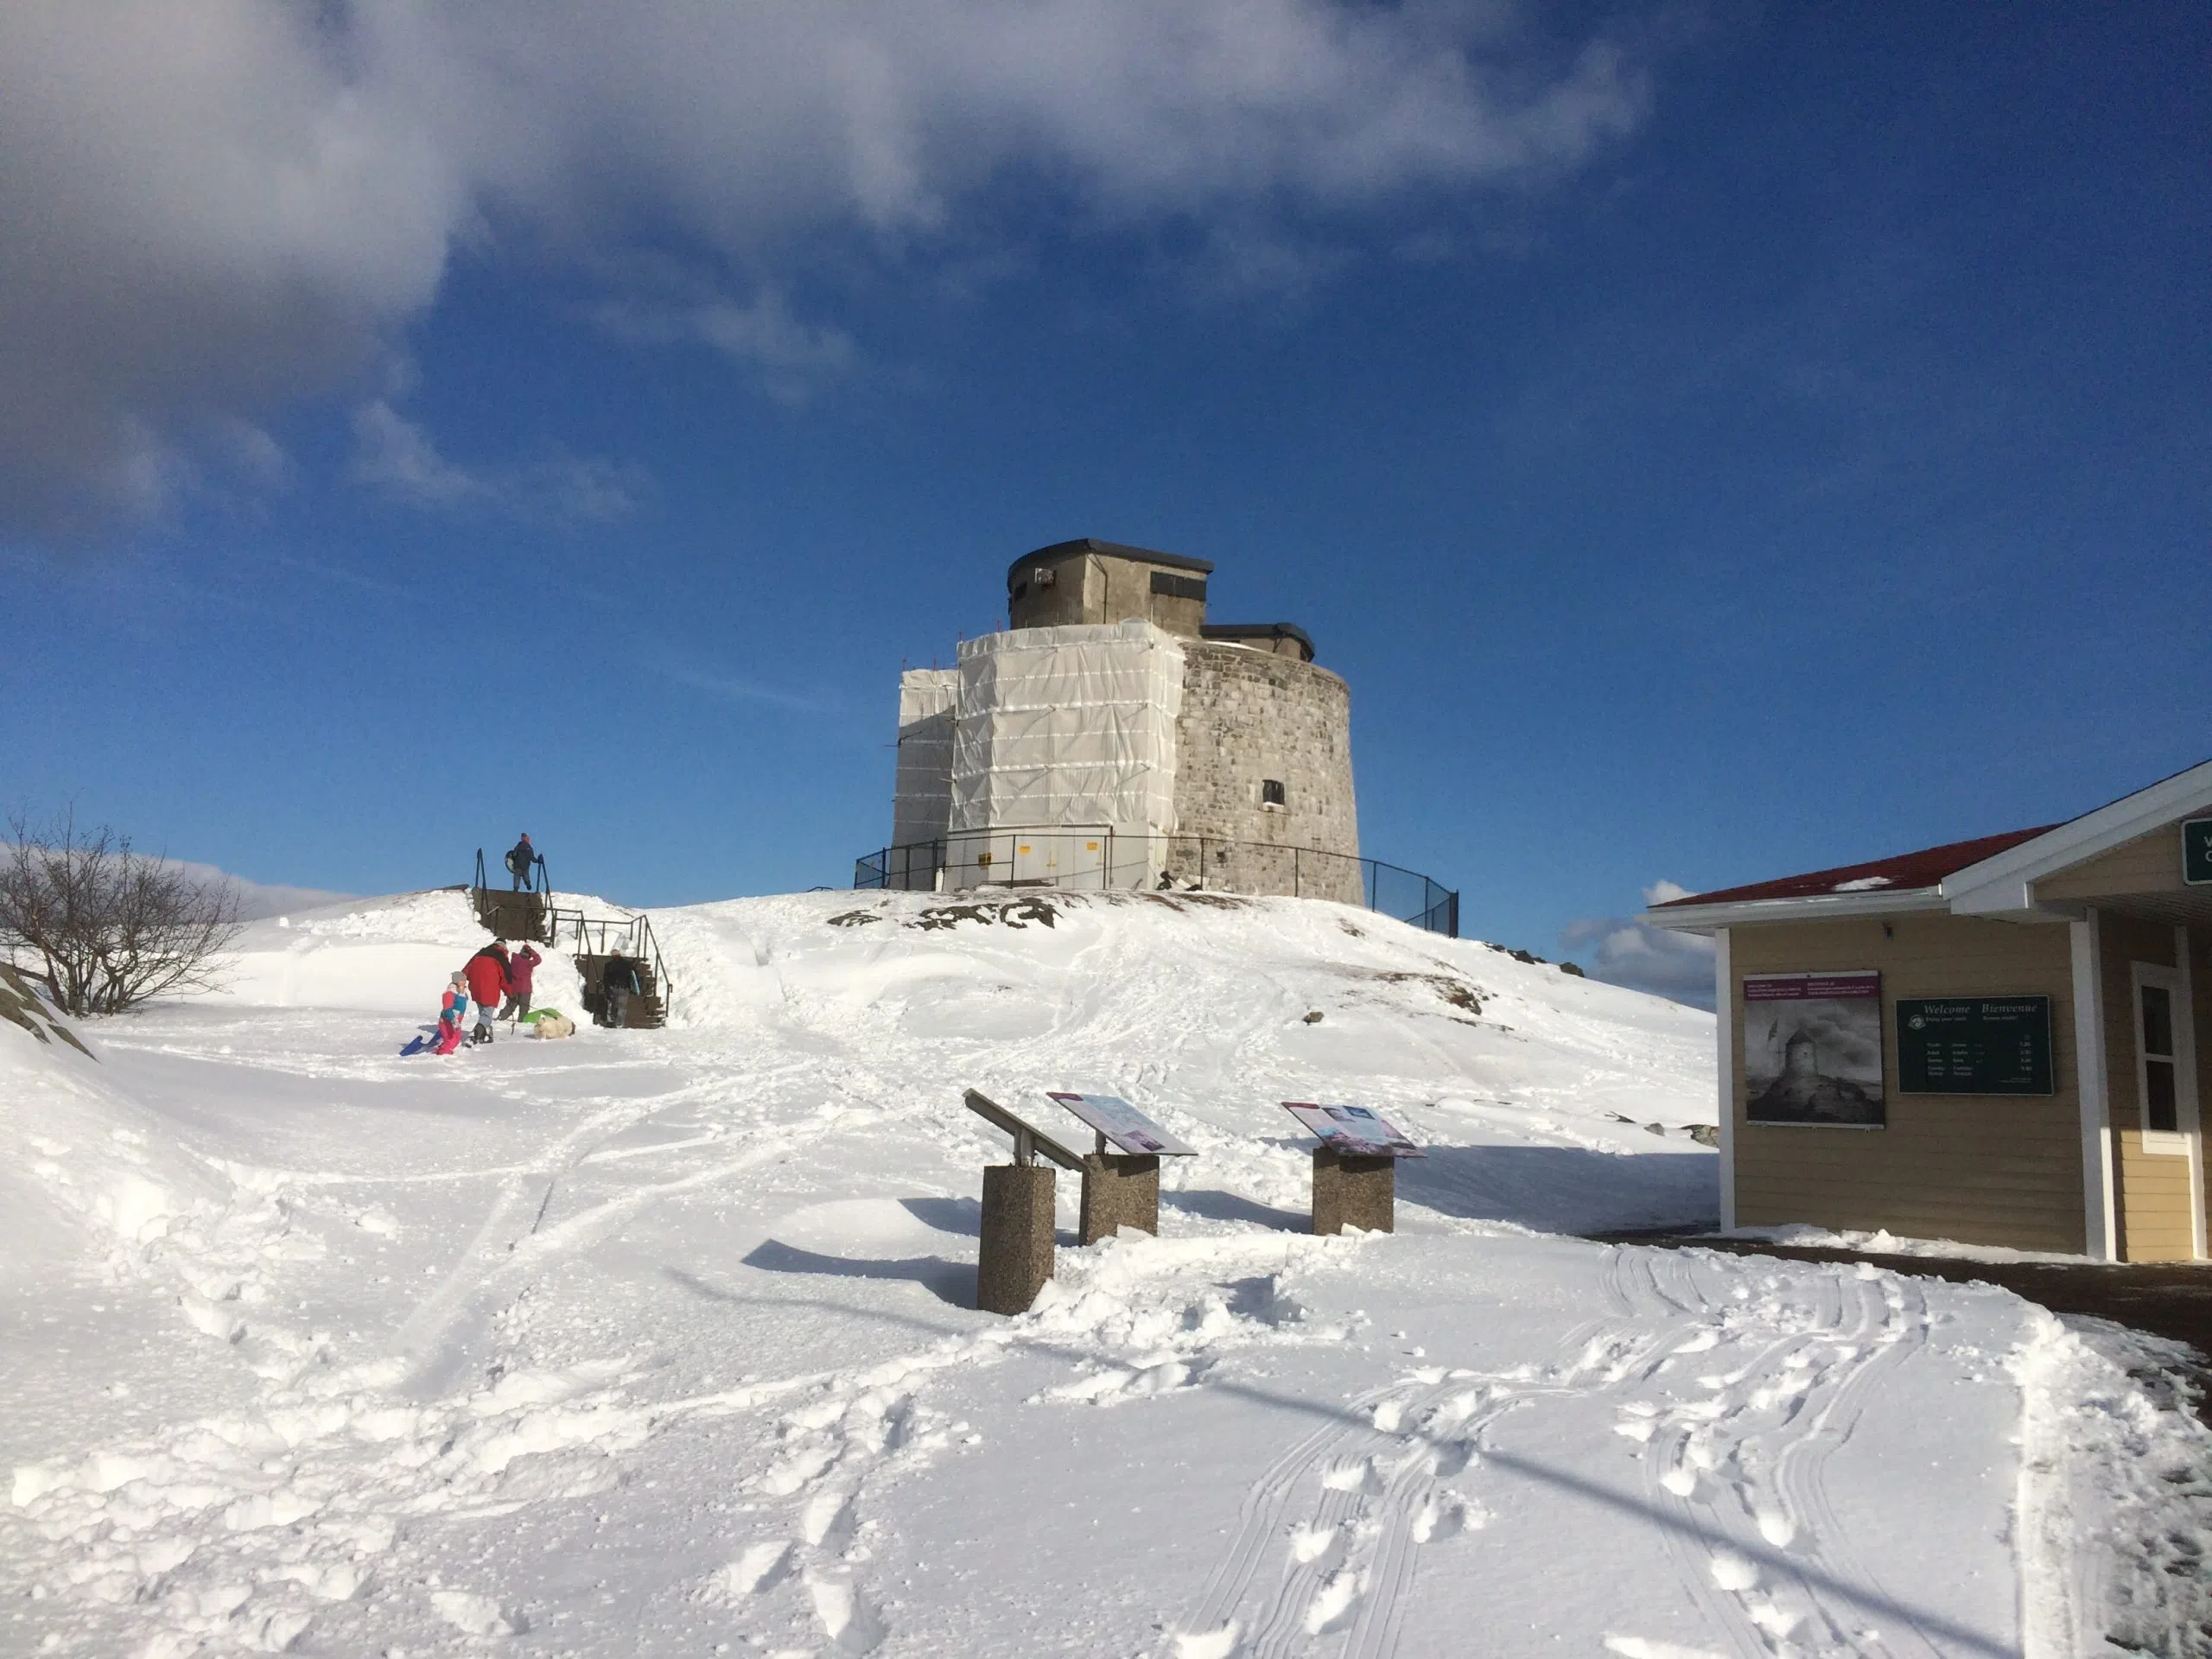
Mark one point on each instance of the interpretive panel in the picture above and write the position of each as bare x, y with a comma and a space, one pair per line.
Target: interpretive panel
1353, 1131
1813, 1049
1128, 1129
1974, 1045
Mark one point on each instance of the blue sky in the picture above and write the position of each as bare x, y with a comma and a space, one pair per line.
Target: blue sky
1713, 441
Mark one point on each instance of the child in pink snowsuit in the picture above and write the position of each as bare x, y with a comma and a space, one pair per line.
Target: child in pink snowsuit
451, 1014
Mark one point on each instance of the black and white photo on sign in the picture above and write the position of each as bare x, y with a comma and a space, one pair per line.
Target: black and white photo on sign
1813, 1049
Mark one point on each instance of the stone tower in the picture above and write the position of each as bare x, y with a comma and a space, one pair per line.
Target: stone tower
1130, 738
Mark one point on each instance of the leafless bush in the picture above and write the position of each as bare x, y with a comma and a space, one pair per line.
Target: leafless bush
107, 926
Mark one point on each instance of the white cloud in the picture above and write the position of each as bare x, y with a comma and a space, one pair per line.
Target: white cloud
393, 454
398, 458
1646, 958
216, 207
789, 358
256, 898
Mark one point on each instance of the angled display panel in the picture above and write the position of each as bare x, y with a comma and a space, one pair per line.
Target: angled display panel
1124, 1127
1353, 1131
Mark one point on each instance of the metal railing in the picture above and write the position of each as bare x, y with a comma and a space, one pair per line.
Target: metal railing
594, 936
1098, 857
601, 935
544, 881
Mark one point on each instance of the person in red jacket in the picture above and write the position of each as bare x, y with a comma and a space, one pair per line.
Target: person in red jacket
488, 984
521, 968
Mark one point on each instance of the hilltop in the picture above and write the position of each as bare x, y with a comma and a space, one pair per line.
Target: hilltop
654, 1341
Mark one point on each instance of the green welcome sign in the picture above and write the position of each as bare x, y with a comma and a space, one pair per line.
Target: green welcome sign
1973, 1046
2196, 852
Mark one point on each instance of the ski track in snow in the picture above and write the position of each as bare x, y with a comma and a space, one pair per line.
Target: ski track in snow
333, 1497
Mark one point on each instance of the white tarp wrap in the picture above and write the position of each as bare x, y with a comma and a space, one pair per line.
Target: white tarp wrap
1068, 726
921, 792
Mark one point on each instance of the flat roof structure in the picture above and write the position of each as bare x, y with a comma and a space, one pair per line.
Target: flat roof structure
1091, 544
1274, 635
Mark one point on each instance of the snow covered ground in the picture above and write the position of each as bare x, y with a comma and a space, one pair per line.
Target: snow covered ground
659, 1343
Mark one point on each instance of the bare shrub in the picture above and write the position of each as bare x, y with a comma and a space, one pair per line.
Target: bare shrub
108, 926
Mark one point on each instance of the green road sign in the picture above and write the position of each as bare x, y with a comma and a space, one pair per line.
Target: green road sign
1973, 1046
2196, 852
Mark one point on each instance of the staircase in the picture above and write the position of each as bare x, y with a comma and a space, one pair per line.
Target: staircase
514, 915
647, 1010
594, 941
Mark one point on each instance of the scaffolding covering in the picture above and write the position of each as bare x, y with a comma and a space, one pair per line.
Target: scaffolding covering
921, 790
1067, 726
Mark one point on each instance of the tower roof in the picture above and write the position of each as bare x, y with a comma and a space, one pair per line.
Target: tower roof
1091, 544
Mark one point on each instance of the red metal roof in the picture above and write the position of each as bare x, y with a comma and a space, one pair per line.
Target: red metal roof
1903, 874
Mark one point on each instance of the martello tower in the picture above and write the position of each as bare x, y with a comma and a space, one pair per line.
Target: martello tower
1112, 735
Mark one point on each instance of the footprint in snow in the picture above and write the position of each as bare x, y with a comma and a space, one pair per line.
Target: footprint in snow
851, 1624
827, 1519
1356, 1475
1331, 1606
1207, 1644
760, 1565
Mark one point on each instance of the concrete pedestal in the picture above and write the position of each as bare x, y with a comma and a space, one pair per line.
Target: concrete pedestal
1354, 1192
1119, 1190
1015, 1259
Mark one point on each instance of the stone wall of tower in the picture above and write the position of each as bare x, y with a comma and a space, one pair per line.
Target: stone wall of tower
1249, 718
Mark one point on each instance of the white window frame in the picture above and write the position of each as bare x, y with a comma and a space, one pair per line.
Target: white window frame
2180, 1141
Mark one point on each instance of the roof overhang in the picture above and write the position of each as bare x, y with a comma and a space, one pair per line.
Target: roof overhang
1083, 546
1686, 918
2001, 887
2005, 885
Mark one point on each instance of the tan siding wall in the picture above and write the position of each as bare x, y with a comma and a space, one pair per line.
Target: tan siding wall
2200, 973
2149, 863
2155, 1223
1985, 1170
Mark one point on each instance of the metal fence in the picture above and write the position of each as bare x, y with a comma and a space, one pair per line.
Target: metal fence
1098, 857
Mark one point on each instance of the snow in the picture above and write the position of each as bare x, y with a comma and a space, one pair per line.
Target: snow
1884, 1242
660, 1342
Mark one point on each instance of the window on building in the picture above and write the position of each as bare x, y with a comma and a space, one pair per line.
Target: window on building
2157, 1060
1173, 587
1271, 792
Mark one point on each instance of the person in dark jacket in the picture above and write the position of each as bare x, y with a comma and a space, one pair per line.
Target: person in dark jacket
618, 983
521, 967
522, 862
488, 984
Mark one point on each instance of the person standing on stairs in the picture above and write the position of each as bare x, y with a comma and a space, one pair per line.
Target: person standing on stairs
488, 984
618, 983
522, 863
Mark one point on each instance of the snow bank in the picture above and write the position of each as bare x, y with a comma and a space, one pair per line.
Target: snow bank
381, 956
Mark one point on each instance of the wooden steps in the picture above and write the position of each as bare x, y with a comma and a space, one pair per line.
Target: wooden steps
647, 1010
